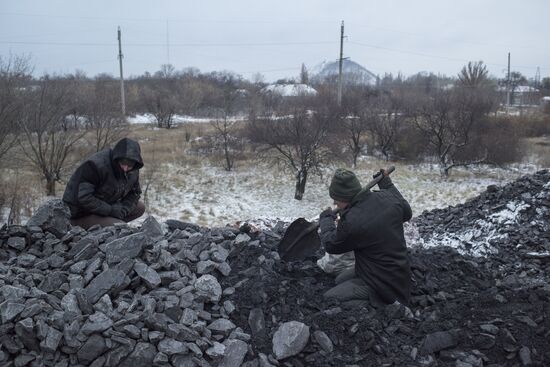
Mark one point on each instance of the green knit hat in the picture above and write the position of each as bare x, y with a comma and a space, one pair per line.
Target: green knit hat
344, 185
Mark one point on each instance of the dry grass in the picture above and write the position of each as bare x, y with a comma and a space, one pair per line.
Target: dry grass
21, 186
537, 150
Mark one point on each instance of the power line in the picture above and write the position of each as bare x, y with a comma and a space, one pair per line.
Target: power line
434, 56
189, 44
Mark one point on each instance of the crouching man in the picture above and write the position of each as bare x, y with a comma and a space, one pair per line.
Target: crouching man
370, 225
105, 188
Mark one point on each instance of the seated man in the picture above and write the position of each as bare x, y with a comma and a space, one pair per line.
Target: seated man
105, 189
370, 225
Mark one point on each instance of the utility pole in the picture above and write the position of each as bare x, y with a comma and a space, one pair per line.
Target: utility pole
508, 84
122, 99
340, 64
167, 44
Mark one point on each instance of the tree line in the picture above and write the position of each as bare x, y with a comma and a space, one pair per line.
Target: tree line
451, 121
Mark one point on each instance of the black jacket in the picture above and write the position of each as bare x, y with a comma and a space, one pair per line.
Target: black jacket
372, 226
99, 181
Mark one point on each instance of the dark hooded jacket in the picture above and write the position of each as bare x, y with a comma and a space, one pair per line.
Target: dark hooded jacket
99, 182
372, 227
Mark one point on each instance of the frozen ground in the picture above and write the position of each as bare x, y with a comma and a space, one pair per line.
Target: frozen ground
210, 196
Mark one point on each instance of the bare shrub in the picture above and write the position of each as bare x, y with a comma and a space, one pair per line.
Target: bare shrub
497, 140
293, 141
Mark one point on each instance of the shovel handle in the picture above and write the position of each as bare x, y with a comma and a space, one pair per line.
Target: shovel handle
378, 178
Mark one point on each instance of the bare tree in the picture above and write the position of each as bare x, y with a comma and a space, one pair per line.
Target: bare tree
161, 102
447, 120
296, 139
386, 121
473, 75
14, 75
103, 117
304, 75
225, 127
47, 139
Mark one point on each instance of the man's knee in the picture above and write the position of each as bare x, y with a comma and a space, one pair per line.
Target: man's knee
140, 208
136, 213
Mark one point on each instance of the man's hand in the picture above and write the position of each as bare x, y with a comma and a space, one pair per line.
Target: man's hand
328, 212
118, 211
381, 172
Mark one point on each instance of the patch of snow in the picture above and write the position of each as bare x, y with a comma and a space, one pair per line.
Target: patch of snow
148, 118
290, 90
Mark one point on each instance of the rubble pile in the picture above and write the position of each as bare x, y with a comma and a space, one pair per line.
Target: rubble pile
177, 294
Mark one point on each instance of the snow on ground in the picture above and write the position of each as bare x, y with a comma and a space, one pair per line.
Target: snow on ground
148, 118
478, 240
211, 196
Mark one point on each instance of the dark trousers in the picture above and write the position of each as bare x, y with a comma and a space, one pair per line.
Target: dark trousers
92, 219
349, 287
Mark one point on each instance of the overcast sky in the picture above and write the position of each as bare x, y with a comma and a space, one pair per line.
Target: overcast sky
274, 38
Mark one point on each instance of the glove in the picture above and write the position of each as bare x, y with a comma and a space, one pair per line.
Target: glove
328, 212
381, 172
385, 180
119, 211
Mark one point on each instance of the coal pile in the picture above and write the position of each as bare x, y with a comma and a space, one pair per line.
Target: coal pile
177, 294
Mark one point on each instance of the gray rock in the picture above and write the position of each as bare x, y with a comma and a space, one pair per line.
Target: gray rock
152, 228
161, 359
17, 243
13, 293
24, 329
142, 356
52, 281
106, 282
84, 249
219, 255
105, 305
184, 361
222, 326
224, 268
256, 321
69, 303
70, 332
206, 267
437, 341
242, 238
91, 349
51, 343
290, 339
188, 317
128, 247
489, 328
53, 216
182, 333
10, 310
96, 323
182, 226
132, 331
216, 351
525, 356
229, 307
148, 274
23, 360
171, 346
78, 267
208, 289
28, 260
324, 341
235, 352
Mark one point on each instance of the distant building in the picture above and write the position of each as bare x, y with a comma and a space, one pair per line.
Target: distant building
522, 95
352, 73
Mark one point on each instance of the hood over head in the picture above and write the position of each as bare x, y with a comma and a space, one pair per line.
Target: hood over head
130, 149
